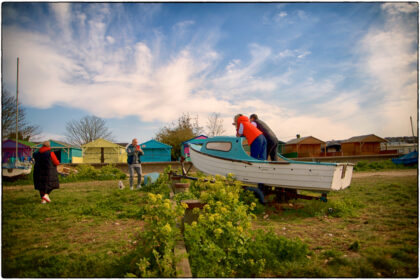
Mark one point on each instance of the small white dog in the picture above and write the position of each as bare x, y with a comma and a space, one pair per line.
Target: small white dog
121, 185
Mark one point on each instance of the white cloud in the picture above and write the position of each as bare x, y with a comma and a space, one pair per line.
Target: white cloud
398, 8
114, 76
389, 61
63, 17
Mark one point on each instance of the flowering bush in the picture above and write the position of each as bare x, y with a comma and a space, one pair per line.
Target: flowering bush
221, 243
155, 256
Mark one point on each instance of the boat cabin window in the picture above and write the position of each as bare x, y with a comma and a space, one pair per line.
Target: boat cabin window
219, 146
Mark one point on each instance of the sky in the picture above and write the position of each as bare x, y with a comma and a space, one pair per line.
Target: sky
327, 70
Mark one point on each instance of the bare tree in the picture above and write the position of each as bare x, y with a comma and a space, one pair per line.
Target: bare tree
87, 129
215, 125
26, 131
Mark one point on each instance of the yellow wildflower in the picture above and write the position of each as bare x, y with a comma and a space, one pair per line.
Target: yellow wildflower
184, 205
218, 231
167, 228
152, 197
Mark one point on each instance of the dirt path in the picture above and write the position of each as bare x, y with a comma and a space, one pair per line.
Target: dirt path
398, 173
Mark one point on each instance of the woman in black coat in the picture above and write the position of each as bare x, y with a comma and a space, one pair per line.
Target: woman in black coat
45, 172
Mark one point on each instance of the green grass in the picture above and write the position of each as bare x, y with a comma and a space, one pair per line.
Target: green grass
89, 230
365, 165
86, 231
367, 230
85, 172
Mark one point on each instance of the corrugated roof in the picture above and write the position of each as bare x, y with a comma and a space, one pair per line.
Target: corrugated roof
26, 143
306, 139
364, 138
153, 144
196, 140
58, 144
101, 143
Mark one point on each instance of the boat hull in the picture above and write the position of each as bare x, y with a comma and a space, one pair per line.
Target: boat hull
14, 172
313, 177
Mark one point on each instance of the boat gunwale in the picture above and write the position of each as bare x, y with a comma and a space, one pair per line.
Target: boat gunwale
286, 161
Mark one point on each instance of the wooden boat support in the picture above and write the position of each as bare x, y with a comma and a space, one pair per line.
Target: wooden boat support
285, 194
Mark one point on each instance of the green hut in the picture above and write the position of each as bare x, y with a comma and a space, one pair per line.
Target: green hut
64, 152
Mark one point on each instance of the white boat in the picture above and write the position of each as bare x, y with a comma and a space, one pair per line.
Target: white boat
223, 155
18, 169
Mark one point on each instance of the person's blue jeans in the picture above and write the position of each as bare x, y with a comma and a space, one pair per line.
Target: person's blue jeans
259, 148
131, 169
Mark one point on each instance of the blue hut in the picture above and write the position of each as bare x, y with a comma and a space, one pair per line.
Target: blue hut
64, 152
155, 151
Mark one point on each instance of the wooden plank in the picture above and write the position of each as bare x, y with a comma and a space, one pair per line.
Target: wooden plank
183, 268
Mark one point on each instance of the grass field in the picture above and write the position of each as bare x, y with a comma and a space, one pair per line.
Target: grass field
367, 230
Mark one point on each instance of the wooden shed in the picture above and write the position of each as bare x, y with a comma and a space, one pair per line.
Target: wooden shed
64, 152
308, 146
155, 151
185, 149
280, 147
8, 152
103, 151
362, 145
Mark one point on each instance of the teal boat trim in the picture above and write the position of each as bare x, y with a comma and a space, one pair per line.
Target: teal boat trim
229, 147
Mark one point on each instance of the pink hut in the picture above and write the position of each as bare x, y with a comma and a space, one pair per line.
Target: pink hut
185, 149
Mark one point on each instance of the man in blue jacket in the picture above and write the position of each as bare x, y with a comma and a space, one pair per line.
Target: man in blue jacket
134, 163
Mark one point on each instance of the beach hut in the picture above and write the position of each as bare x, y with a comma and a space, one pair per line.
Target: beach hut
185, 149
362, 145
9, 150
308, 146
280, 147
64, 152
155, 151
103, 151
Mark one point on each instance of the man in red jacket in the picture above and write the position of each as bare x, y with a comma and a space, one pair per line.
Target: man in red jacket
45, 172
253, 135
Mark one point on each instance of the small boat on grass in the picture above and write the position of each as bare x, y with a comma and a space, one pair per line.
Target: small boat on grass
408, 159
15, 169
223, 155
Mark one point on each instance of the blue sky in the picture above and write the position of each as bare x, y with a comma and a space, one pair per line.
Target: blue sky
330, 70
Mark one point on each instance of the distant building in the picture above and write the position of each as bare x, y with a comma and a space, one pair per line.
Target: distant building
8, 152
280, 147
362, 145
155, 151
185, 149
308, 146
103, 151
401, 148
64, 152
